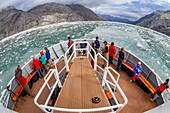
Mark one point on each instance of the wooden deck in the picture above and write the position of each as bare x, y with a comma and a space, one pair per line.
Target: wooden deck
138, 100
26, 105
80, 87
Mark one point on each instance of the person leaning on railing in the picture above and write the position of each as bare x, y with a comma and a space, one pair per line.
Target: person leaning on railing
47, 53
120, 59
105, 53
112, 52
160, 89
21, 79
37, 65
70, 42
43, 61
97, 44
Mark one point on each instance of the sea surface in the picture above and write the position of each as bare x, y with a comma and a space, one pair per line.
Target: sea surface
19, 48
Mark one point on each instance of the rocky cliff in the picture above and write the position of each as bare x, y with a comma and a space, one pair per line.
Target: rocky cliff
86, 13
13, 20
159, 22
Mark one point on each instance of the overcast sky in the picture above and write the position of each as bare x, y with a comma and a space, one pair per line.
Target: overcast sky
130, 9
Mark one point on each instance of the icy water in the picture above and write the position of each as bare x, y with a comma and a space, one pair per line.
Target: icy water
19, 48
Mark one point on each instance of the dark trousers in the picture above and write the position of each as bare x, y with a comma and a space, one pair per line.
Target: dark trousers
40, 73
28, 90
71, 51
110, 59
45, 67
119, 63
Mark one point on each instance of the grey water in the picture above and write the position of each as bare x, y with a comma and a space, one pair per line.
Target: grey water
18, 49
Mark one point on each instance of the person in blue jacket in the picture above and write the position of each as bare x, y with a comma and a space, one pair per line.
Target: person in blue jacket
136, 72
97, 44
48, 56
43, 61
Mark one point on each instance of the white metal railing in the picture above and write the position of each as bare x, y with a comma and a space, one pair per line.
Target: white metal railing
118, 75
98, 54
57, 82
55, 71
80, 49
44, 107
107, 82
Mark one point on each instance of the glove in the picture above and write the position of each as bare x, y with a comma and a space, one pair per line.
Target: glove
138, 70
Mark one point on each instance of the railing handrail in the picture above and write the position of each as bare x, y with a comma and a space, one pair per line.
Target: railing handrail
74, 52
118, 75
67, 109
98, 54
106, 71
119, 106
82, 110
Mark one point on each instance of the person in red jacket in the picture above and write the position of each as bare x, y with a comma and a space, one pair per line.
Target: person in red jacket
37, 65
112, 52
160, 89
70, 42
21, 79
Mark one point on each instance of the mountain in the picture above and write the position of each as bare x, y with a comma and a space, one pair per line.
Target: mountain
145, 17
159, 22
86, 13
122, 20
13, 20
116, 19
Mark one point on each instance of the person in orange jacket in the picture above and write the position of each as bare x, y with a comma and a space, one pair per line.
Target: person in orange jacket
112, 52
160, 89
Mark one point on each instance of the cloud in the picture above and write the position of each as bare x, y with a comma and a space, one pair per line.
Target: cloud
130, 9
27, 4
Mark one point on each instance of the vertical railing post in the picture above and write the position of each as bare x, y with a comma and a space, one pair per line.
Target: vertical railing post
57, 77
95, 61
117, 111
88, 50
104, 77
74, 51
66, 63
55, 67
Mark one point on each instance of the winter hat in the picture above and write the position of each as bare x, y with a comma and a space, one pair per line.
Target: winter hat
139, 63
41, 53
167, 80
68, 36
